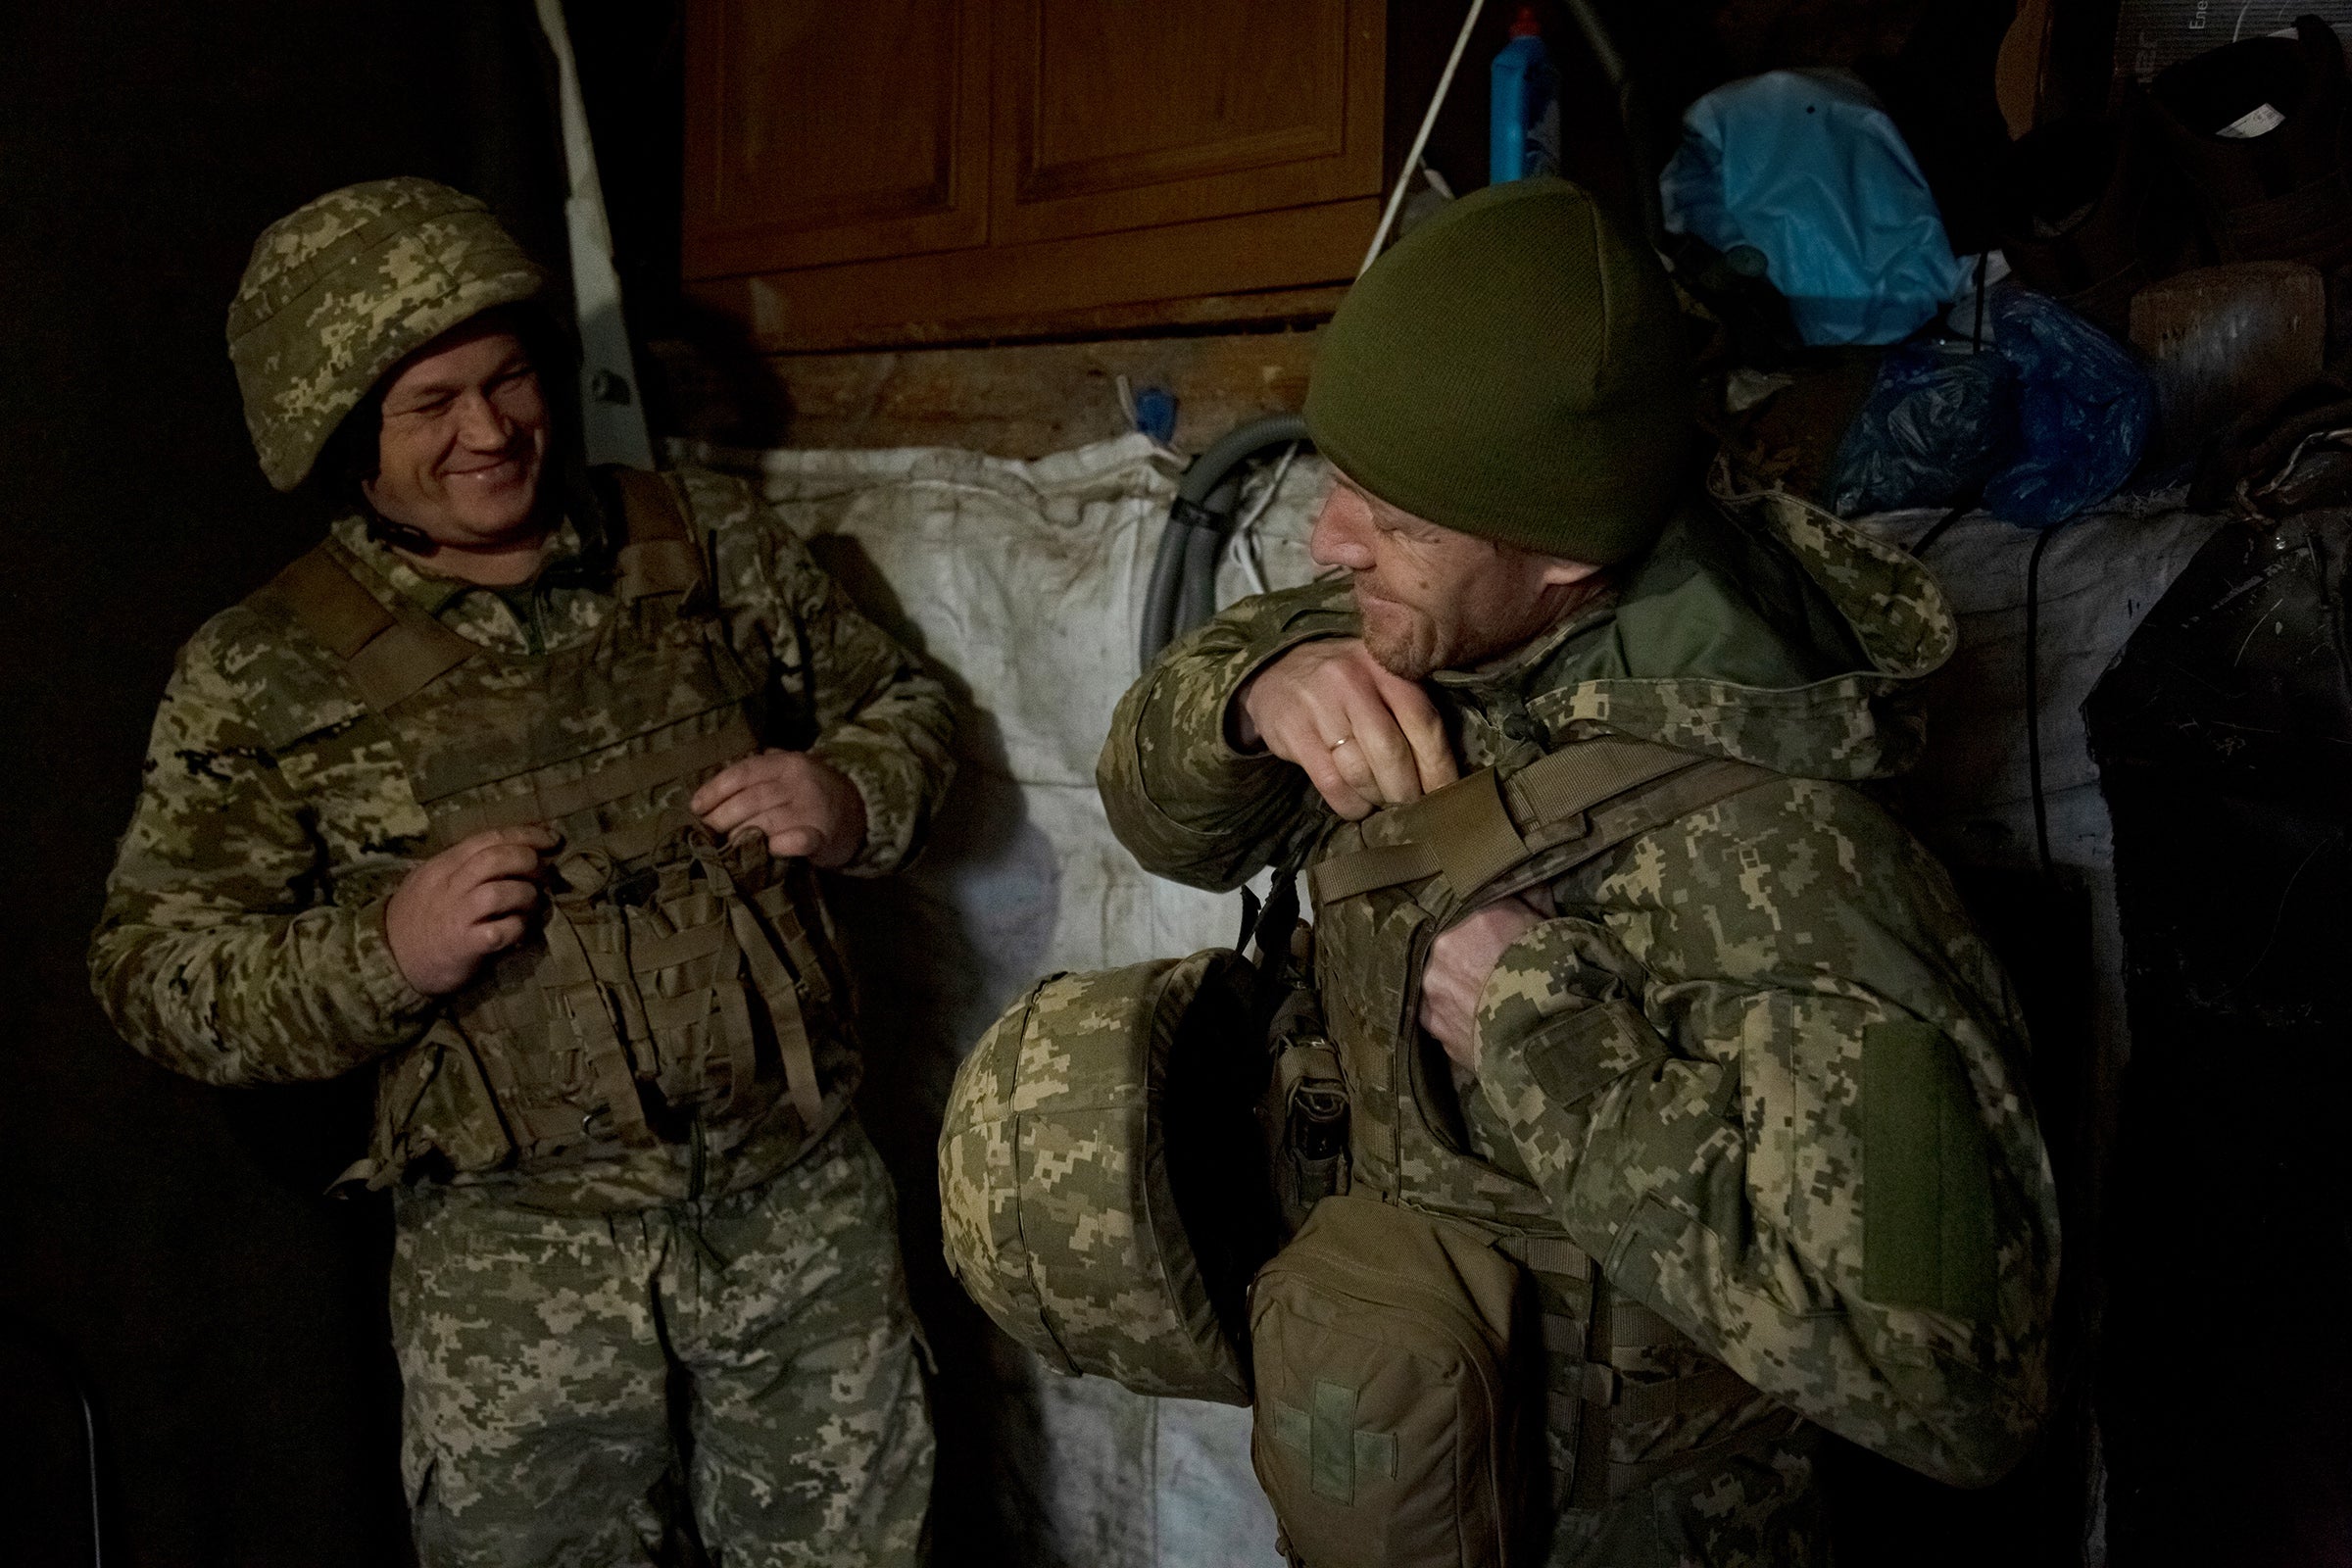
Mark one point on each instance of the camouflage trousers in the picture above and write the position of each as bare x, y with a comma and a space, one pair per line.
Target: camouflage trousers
537, 1353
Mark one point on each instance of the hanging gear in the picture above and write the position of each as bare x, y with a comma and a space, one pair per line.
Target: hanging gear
677, 993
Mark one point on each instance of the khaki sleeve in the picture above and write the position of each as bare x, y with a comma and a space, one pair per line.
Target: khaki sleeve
871, 707
1186, 803
1770, 1087
220, 953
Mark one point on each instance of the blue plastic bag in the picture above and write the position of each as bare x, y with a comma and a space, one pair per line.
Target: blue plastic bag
2049, 420
1939, 424
2084, 410
1806, 167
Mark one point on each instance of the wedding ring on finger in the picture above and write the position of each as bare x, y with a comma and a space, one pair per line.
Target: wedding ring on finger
1344, 740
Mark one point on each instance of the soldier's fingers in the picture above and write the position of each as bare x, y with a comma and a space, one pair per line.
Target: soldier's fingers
756, 801
1388, 755
1350, 761
1418, 720
795, 842
495, 863
731, 779
1341, 796
495, 935
494, 898
535, 837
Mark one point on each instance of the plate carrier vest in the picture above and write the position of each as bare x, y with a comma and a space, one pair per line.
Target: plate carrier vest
682, 989
1629, 1397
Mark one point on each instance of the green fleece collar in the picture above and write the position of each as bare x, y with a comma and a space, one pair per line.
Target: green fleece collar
1768, 631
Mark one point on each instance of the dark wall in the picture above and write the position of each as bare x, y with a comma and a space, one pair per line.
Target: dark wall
167, 1238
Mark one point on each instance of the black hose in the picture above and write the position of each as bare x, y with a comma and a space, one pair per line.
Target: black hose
1631, 114
2042, 810
1942, 524
1182, 591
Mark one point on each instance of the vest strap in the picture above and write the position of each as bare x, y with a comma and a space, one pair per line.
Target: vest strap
580, 997
1384, 866
388, 657
775, 983
661, 556
1467, 833
1559, 784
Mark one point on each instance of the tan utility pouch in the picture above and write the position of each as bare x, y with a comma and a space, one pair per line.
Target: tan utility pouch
1393, 1427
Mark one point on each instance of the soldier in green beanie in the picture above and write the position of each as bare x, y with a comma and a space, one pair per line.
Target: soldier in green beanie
509, 794
1630, 980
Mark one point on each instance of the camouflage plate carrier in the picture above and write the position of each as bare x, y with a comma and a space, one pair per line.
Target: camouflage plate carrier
1396, 1338
677, 990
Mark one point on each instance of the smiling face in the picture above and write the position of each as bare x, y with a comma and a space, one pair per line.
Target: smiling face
1433, 598
464, 439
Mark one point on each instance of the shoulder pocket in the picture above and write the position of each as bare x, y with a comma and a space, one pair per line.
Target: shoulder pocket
1926, 1175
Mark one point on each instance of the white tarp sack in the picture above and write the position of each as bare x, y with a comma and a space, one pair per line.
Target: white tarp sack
1024, 584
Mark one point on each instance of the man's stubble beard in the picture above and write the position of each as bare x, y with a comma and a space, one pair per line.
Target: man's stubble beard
1415, 651
1424, 645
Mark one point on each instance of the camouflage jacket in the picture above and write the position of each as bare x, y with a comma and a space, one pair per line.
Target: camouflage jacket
242, 938
1806, 984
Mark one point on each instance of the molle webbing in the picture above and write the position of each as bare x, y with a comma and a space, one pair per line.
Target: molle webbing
1477, 830
623, 776
1588, 1332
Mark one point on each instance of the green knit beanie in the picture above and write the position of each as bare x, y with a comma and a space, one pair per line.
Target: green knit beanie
1515, 368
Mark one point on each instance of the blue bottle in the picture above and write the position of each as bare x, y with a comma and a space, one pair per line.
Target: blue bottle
1523, 121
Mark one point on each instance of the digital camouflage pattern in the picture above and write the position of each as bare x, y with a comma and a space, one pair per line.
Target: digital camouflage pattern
534, 1375
1761, 1068
347, 286
242, 937
1057, 1213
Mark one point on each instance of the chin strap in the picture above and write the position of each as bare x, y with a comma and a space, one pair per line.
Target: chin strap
399, 535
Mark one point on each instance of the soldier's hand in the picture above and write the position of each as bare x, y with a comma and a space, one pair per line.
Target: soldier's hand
465, 904
1366, 738
805, 805
1460, 961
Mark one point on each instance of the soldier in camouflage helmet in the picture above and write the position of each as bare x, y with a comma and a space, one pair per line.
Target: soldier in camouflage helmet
510, 793
1743, 1094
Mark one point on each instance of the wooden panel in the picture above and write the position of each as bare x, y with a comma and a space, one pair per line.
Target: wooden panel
1258, 263
821, 133
1127, 114
1028, 399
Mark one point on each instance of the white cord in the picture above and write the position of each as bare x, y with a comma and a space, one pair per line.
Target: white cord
1245, 536
1412, 160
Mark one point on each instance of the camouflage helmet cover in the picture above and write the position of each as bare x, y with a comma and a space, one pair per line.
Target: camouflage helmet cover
345, 287
1060, 1193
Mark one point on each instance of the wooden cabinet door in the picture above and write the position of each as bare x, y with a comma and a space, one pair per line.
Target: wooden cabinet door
1128, 114
821, 133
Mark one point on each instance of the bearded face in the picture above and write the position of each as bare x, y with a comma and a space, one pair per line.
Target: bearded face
1433, 598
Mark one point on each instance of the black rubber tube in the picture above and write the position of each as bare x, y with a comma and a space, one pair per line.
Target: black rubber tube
1182, 591
1631, 114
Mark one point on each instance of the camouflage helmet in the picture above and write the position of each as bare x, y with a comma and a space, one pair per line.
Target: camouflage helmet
1100, 1129
345, 287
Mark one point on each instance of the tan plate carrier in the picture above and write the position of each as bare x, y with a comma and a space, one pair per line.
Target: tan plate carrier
680, 989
